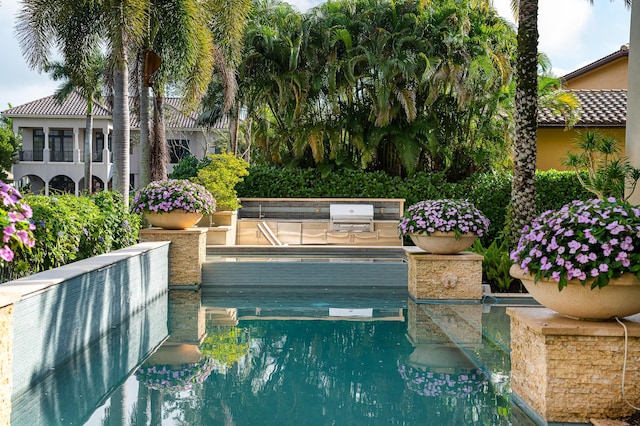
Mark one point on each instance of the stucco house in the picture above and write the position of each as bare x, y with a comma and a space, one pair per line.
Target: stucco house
601, 88
53, 143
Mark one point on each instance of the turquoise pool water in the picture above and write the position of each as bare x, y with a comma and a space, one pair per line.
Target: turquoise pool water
324, 356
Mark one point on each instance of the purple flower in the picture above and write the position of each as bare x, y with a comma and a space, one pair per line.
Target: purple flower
444, 215
582, 236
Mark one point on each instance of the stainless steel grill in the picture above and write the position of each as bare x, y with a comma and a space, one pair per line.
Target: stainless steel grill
351, 217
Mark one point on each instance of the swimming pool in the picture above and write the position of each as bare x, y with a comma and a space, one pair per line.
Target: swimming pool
325, 356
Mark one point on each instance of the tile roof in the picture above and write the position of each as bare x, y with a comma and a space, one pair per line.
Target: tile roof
599, 108
76, 106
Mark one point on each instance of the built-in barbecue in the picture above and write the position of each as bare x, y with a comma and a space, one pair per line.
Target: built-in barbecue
351, 217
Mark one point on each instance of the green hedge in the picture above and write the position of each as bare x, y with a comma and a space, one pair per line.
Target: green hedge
70, 228
490, 192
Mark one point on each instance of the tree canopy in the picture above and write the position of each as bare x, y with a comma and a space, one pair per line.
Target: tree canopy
373, 84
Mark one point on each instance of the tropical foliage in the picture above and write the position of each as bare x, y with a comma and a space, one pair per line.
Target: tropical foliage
69, 228
9, 144
220, 176
607, 172
393, 86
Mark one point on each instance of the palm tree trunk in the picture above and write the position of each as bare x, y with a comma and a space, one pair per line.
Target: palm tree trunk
523, 192
121, 130
159, 153
145, 173
88, 133
632, 136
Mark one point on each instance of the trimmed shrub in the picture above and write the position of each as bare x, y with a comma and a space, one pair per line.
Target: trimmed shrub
70, 228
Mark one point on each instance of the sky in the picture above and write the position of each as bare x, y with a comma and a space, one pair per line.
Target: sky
573, 33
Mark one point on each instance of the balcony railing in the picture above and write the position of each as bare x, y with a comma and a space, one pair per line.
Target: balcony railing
61, 156
96, 156
31, 155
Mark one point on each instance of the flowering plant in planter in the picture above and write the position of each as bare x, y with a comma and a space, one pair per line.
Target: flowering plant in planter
173, 194
584, 240
15, 223
457, 216
427, 383
172, 378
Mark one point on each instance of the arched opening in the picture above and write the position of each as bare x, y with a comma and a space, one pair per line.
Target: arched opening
97, 184
62, 183
30, 184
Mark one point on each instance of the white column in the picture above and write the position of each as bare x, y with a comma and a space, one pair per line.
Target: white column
45, 152
76, 147
632, 136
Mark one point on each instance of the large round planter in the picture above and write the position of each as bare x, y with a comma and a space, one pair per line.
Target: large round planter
443, 242
620, 298
175, 219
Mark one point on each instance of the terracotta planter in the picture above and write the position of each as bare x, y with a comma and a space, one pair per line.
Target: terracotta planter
176, 219
443, 242
620, 298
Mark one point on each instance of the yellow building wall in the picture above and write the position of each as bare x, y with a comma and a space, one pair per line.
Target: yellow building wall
609, 76
555, 142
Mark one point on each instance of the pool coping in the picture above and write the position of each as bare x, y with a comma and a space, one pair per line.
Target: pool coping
22, 288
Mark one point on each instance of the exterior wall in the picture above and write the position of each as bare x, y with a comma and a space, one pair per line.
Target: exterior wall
62, 311
555, 142
46, 170
613, 75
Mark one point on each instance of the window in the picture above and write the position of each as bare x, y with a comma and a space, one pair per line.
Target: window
61, 145
38, 144
178, 149
99, 147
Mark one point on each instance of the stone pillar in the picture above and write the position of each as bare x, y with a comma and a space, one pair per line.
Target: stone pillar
6, 351
570, 370
187, 253
444, 276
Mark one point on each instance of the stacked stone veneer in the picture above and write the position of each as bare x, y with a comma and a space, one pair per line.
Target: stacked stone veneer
187, 253
58, 313
569, 370
187, 318
444, 323
444, 276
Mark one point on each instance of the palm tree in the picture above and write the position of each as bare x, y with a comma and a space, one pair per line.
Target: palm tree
87, 81
523, 196
72, 27
523, 192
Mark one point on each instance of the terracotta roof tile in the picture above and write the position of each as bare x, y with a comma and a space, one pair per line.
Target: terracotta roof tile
599, 108
75, 106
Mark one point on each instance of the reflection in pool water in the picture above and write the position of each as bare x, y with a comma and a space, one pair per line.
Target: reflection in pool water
279, 363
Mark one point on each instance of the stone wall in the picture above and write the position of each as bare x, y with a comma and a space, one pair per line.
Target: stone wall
439, 276
569, 370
